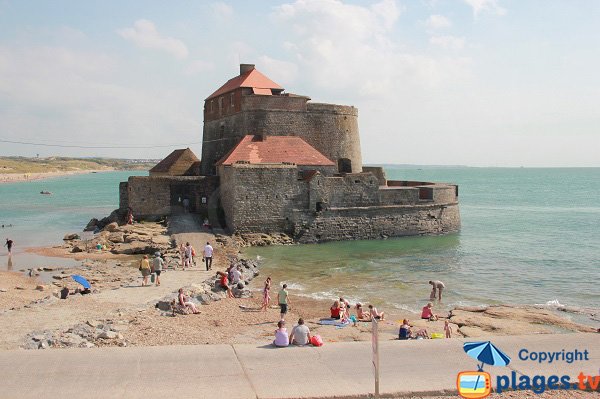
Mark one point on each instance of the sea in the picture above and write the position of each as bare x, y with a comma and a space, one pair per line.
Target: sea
528, 236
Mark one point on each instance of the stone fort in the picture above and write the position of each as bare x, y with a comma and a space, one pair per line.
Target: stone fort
276, 162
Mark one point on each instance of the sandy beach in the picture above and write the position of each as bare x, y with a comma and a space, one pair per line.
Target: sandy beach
21, 177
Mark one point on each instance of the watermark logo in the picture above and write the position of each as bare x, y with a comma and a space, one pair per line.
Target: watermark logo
478, 384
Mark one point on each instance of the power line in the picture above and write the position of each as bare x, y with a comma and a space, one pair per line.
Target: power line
95, 146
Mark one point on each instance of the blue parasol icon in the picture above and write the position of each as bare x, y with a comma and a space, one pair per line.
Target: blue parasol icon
486, 353
81, 280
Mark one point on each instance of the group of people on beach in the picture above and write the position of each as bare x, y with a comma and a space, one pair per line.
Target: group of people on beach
340, 310
188, 255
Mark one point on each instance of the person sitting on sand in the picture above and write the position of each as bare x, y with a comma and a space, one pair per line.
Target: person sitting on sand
266, 295
427, 313
345, 306
184, 301
336, 310
281, 336
405, 331
300, 334
361, 314
145, 269
224, 283
375, 314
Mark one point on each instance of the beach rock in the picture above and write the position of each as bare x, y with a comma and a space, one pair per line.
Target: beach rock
76, 249
132, 248
43, 345
112, 227
38, 338
71, 236
108, 335
18, 287
116, 238
40, 287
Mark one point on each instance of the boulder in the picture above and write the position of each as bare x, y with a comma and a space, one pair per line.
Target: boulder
71, 236
40, 287
112, 227
76, 249
132, 248
108, 335
92, 225
116, 237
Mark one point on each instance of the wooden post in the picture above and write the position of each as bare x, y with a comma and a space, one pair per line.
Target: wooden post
375, 346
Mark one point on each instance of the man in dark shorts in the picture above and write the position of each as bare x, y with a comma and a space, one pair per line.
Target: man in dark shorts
284, 301
9, 244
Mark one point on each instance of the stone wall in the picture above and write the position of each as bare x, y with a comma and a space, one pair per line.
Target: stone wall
329, 128
152, 197
259, 198
375, 222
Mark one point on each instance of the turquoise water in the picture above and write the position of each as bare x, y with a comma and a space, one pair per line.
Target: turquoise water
529, 236
40, 220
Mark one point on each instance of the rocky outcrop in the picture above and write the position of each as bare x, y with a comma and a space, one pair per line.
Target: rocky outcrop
511, 320
261, 240
85, 335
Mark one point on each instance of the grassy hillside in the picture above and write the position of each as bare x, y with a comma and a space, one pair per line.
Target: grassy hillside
63, 164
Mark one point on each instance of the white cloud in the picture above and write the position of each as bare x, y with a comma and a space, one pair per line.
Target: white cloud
343, 48
197, 66
67, 95
388, 11
145, 35
282, 72
490, 6
437, 22
448, 42
222, 10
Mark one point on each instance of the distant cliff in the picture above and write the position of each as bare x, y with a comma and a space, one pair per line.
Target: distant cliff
64, 164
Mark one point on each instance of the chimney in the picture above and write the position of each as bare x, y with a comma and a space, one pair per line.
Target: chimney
260, 137
246, 68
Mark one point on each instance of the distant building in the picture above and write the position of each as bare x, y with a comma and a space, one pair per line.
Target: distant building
276, 162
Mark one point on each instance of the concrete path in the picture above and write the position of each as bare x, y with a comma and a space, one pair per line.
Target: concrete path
250, 371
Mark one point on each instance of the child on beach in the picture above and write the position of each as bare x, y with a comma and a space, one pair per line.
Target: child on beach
281, 336
266, 295
224, 283
447, 329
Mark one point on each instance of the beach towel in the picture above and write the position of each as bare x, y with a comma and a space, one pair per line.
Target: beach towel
333, 322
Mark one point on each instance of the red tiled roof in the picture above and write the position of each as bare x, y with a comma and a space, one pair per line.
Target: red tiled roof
252, 78
275, 149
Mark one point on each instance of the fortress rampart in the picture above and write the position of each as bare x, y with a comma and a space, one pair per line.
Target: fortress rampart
331, 129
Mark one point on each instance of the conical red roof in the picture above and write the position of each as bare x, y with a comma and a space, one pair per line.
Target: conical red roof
252, 78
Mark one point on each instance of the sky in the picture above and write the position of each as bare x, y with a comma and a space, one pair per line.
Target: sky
436, 82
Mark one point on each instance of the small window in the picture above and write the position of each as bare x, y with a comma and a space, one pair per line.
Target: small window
212, 105
231, 97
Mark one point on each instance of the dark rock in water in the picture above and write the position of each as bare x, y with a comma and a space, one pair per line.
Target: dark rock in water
92, 225
71, 236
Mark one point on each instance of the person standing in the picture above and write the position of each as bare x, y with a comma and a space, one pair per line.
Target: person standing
236, 275
437, 286
145, 269
157, 265
284, 301
187, 255
266, 294
9, 245
208, 254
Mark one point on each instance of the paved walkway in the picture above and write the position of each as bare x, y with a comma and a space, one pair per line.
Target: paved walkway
250, 371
